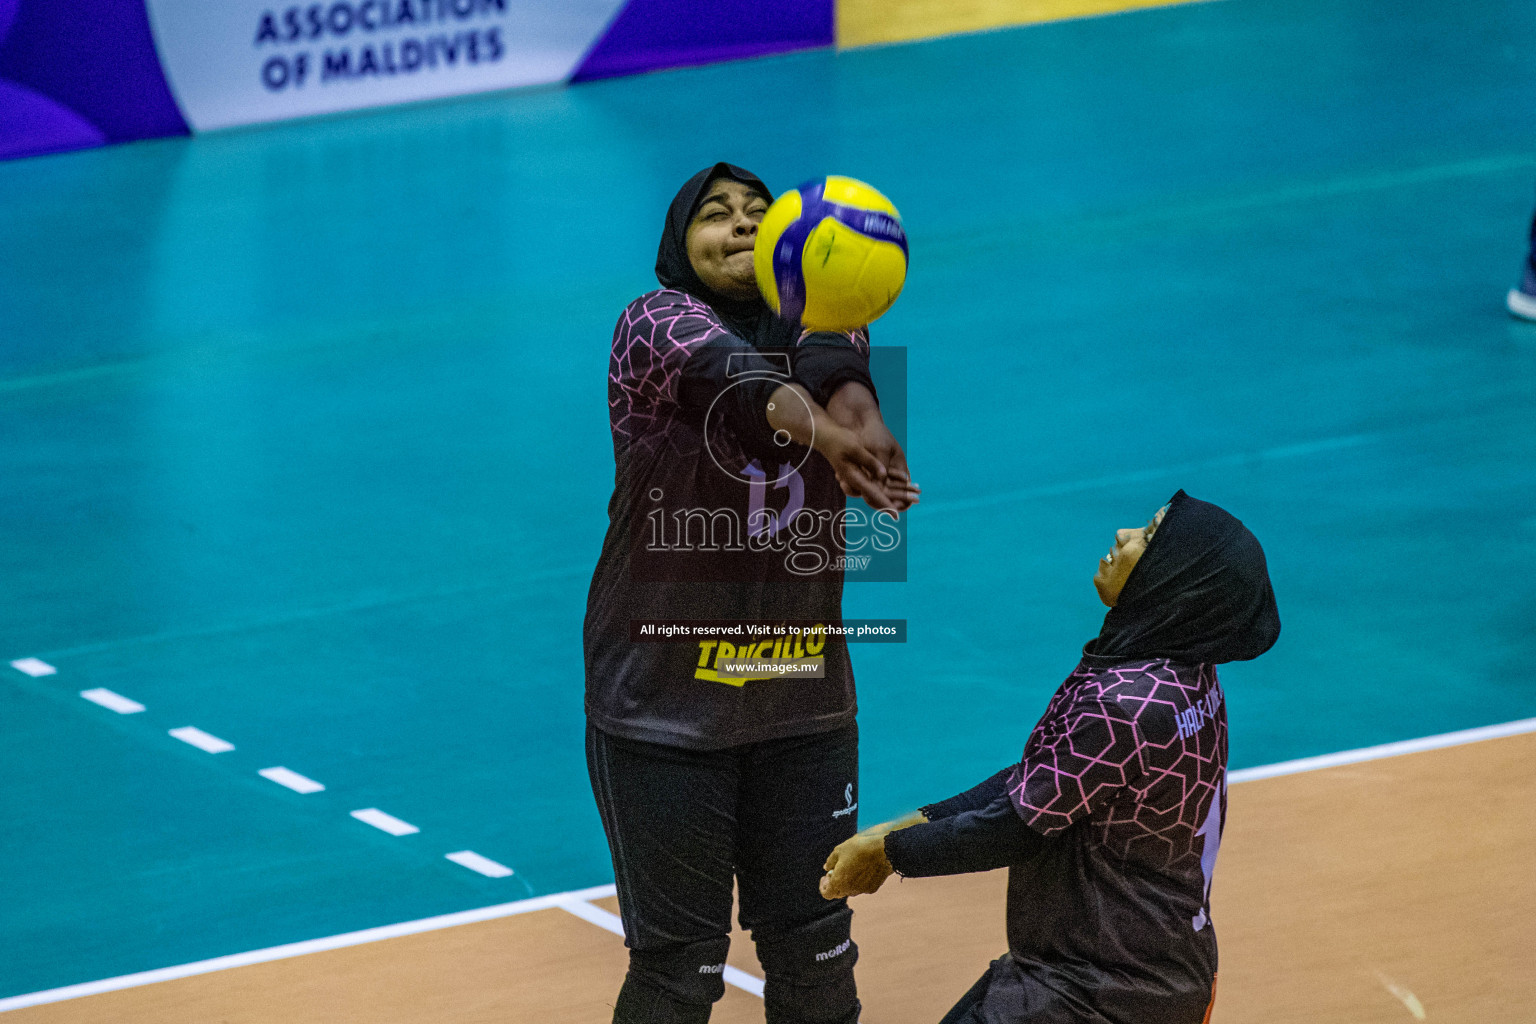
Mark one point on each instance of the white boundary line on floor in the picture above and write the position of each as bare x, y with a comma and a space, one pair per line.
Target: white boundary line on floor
1450, 739
292, 949
578, 901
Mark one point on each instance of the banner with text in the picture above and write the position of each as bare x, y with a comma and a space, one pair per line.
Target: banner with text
88, 72
244, 61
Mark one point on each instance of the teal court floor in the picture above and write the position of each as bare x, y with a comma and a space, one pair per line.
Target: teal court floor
303, 438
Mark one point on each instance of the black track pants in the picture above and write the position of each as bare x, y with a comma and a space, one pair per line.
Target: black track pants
683, 824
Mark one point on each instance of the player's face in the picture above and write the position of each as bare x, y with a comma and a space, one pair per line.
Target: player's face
721, 237
1115, 567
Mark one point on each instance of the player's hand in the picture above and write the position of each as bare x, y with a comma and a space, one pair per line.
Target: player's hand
852, 406
859, 473
900, 491
856, 866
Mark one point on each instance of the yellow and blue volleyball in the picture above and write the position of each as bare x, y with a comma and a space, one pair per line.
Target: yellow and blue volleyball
831, 254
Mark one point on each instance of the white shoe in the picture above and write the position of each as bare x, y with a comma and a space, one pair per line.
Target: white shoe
1521, 304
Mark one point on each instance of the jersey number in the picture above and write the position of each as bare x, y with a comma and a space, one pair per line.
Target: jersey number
1210, 833
760, 518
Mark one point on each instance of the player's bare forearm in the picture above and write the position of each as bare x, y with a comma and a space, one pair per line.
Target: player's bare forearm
852, 404
793, 412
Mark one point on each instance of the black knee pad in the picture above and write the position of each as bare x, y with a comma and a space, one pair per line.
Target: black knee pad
808, 971
690, 975
641, 1002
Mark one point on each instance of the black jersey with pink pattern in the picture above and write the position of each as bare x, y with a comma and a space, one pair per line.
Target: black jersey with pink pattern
713, 519
1126, 773
673, 354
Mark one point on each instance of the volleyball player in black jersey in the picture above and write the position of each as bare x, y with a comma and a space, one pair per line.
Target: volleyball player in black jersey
737, 438
1111, 820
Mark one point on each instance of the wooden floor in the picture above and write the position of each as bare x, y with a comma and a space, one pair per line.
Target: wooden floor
1384, 891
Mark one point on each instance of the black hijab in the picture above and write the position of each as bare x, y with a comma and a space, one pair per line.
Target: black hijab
1199, 593
749, 319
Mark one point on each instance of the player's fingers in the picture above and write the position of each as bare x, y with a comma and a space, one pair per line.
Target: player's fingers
877, 499
860, 456
901, 479
870, 490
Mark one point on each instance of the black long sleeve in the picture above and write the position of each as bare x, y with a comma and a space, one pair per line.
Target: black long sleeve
825, 361
973, 799
737, 380
973, 840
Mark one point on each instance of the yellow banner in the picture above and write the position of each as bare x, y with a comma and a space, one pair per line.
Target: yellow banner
868, 22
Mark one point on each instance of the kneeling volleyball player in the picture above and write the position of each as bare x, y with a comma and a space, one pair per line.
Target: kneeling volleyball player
1110, 823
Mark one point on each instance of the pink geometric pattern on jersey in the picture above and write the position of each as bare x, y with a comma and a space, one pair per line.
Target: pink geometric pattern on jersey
858, 337
1138, 749
654, 337
652, 341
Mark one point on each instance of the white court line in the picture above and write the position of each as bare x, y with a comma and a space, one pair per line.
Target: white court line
592, 915
112, 701
472, 860
305, 948
1403, 996
388, 822
1450, 739
292, 779
202, 740
562, 899
33, 667
743, 980
612, 923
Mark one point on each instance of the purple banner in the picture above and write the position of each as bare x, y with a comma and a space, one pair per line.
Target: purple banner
79, 73
649, 35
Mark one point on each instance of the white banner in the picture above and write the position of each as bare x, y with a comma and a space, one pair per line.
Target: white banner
232, 62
